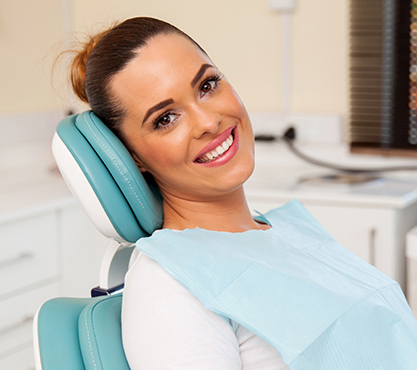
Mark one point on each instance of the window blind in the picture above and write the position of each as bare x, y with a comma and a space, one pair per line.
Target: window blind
383, 76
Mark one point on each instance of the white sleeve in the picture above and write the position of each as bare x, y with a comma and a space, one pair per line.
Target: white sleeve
165, 327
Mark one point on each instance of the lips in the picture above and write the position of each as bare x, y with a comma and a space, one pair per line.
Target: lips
220, 150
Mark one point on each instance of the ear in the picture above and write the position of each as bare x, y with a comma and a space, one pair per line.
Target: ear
139, 163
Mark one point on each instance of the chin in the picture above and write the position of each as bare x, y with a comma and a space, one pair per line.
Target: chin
240, 174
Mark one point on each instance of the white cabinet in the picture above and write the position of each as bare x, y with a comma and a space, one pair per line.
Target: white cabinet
44, 253
375, 234
22, 360
82, 250
370, 218
16, 323
28, 252
29, 275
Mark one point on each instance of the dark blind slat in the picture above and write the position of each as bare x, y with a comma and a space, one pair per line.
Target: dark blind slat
383, 74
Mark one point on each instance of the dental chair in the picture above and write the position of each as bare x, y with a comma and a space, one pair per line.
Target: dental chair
85, 333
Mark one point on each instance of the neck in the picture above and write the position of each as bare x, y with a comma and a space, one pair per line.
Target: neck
224, 213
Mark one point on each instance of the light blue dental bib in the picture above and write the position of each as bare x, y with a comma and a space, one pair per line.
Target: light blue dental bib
293, 285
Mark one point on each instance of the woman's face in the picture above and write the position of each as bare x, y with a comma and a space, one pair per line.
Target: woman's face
185, 124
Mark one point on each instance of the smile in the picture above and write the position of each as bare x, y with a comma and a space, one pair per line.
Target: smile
220, 150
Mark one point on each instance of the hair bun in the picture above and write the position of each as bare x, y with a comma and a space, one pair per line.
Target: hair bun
78, 65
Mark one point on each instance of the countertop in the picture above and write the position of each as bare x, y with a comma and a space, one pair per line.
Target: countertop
30, 182
280, 174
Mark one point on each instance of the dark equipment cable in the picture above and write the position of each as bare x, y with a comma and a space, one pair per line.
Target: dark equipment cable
288, 139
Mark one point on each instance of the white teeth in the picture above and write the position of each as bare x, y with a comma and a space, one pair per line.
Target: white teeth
217, 152
220, 150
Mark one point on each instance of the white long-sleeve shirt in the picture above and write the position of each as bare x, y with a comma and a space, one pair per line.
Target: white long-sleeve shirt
165, 327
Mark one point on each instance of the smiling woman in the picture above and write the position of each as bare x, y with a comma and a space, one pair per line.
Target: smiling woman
217, 288
178, 112
163, 96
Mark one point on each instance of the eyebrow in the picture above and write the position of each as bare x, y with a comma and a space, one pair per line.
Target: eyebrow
167, 102
157, 107
200, 73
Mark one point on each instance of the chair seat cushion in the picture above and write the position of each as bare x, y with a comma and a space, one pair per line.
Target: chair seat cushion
81, 334
99, 330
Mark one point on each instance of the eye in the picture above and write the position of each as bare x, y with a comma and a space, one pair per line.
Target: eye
208, 86
164, 121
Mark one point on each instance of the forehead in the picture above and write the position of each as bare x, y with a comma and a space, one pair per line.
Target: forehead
171, 48
159, 69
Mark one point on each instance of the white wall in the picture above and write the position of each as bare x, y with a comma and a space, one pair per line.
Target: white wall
242, 37
29, 31
320, 55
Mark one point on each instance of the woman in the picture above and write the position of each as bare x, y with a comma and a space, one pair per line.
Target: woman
185, 126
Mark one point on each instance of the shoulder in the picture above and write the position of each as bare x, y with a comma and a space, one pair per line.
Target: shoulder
147, 284
160, 315
145, 268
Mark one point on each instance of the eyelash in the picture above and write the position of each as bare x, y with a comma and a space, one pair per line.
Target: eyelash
157, 122
215, 78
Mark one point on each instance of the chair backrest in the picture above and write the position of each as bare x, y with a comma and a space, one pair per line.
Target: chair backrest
104, 177
84, 334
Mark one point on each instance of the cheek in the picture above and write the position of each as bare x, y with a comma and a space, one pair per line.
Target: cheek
162, 154
232, 104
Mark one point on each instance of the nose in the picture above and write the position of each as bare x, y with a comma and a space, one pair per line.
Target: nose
205, 120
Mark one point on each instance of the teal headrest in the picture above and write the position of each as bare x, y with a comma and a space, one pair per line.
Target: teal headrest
132, 206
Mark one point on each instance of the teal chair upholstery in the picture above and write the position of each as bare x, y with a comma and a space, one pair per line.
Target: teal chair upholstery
85, 333
89, 335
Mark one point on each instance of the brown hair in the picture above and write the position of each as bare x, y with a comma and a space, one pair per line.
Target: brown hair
107, 53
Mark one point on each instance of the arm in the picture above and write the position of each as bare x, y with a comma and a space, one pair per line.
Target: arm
165, 326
